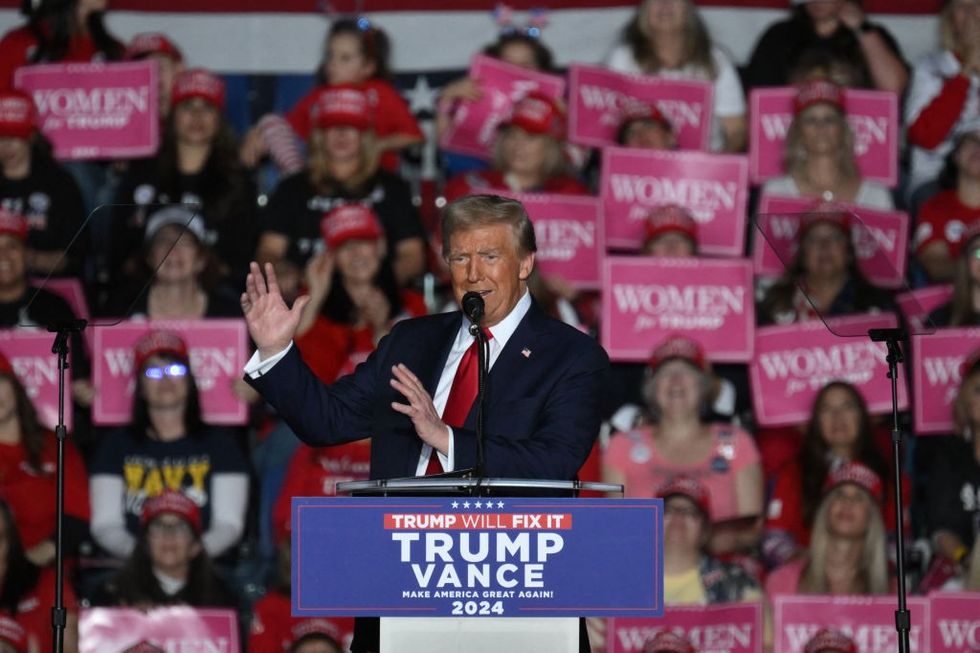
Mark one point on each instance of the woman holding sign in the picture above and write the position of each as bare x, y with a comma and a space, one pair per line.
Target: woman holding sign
667, 38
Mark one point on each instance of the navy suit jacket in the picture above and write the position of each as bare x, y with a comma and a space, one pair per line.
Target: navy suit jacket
542, 410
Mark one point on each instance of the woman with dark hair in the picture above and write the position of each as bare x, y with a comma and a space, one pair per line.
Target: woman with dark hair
838, 432
58, 30
826, 265
169, 564
28, 481
839, 28
167, 447
343, 169
963, 308
197, 166
27, 592
668, 38
944, 217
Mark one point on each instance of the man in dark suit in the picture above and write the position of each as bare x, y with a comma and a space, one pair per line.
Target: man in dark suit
542, 409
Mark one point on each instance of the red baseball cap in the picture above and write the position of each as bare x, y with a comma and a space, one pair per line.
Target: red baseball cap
316, 626
156, 343
537, 113
642, 111
176, 503
668, 218
818, 91
13, 633
343, 105
857, 474
198, 83
349, 221
667, 642
828, 640
146, 43
678, 346
689, 487
18, 115
13, 224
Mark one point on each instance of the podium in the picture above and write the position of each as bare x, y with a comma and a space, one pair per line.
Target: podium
470, 564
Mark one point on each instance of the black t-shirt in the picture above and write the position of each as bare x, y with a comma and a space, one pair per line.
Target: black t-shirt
50, 200
779, 50
232, 237
295, 210
953, 490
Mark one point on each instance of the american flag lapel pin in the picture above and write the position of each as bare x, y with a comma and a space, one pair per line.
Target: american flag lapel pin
526, 353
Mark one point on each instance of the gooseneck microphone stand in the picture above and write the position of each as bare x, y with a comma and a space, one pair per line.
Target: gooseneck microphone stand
891, 338
61, 348
473, 308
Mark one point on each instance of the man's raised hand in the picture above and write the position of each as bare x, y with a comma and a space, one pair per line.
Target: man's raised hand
271, 323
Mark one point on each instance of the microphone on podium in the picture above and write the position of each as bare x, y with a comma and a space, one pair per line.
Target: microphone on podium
473, 308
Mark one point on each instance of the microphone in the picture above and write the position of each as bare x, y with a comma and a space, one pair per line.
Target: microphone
473, 307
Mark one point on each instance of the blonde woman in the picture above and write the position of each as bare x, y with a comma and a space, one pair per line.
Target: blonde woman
667, 38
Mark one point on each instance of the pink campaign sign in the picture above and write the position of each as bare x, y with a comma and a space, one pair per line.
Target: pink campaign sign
178, 628
955, 622
916, 305
474, 124
95, 110
873, 116
868, 620
600, 98
937, 359
645, 299
794, 361
727, 628
29, 352
880, 238
568, 230
713, 187
218, 352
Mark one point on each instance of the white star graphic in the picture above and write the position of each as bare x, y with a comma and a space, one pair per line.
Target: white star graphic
478, 504
455, 504
466, 504
489, 505
500, 504
422, 97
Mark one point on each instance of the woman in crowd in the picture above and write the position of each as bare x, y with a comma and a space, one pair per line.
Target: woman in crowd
825, 263
819, 156
28, 592
167, 447
28, 479
169, 564
963, 309
646, 127
528, 154
197, 166
668, 38
34, 185
838, 28
939, 97
677, 440
839, 432
157, 47
944, 217
343, 169
847, 552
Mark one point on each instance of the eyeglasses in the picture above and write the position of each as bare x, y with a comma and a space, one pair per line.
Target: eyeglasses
178, 528
174, 370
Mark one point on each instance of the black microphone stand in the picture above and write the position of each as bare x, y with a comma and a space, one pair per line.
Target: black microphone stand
61, 347
891, 338
483, 360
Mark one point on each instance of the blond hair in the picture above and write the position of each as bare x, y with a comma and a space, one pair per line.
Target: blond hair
319, 169
795, 155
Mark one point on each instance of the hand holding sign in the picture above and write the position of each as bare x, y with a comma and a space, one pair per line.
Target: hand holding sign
271, 324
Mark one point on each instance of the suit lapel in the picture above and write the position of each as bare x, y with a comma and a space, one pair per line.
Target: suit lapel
512, 359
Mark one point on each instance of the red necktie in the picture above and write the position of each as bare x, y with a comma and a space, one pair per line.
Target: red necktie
461, 396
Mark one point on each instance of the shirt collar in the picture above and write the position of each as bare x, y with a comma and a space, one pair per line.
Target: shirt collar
503, 330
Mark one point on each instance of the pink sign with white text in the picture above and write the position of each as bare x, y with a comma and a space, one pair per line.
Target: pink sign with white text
601, 97
916, 305
29, 352
723, 628
793, 362
95, 110
568, 231
713, 187
868, 620
937, 361
218, 352
646, 299
177, 628
474, 123
955, 622
872, 115
880, 238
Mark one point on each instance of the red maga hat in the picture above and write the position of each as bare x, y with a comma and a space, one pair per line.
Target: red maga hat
537, 113
857, 474
146, 43
13, 224
343, 105
827, 640
642, 111
668, 218
818, 91
198, 83
678, 346
689, 487
18, 115
156, 343
176, 503
349, 221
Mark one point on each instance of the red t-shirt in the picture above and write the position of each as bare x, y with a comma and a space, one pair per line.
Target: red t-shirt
31, 494
392, 115
943, 218
272, 626
483, 180
17, 46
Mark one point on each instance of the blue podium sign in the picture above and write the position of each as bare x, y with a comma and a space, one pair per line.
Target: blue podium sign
452, 556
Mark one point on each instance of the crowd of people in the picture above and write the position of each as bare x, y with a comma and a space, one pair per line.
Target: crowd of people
172, 510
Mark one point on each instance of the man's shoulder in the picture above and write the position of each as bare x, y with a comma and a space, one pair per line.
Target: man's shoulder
565, 337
